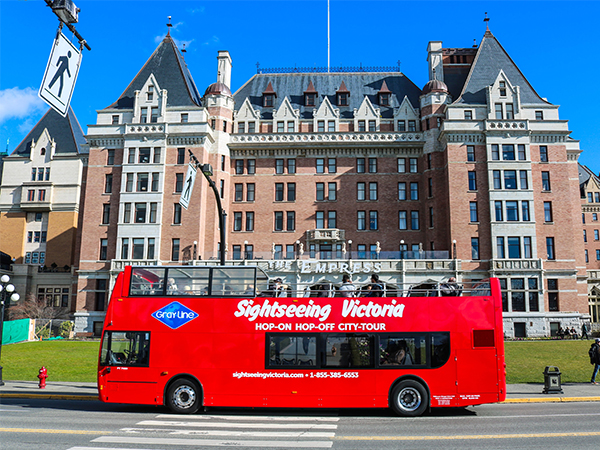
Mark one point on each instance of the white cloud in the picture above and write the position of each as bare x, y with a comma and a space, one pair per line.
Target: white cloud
17, 103
213, 40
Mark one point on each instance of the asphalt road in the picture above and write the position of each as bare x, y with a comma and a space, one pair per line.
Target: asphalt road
34, 424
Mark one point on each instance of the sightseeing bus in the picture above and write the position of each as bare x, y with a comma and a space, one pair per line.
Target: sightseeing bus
220, 336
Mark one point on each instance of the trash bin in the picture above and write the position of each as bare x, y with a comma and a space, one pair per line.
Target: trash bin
552, 380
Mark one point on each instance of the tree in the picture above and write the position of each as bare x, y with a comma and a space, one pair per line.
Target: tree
33, 307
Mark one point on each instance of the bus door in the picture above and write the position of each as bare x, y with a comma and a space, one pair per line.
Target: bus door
477, 367
124, 366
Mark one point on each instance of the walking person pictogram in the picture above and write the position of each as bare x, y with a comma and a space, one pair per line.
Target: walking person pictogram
63, 64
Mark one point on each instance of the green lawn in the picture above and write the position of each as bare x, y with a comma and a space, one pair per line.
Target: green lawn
76, 360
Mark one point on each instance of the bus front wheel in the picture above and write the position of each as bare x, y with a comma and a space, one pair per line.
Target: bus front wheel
183, 397
409, 398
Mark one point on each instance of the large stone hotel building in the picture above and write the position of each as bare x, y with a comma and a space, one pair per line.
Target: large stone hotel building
326, 173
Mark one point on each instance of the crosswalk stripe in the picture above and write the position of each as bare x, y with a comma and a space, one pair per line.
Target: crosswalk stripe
251, 418
295, 426
211, 442
288, 434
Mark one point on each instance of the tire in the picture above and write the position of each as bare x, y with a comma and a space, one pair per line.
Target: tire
183, 397
409, 398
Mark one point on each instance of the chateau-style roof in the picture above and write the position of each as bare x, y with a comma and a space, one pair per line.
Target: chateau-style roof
65, 131
491, 58
171, 73
585, 174
359, 84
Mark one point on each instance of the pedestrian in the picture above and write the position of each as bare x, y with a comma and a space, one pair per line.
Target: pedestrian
594, 353
584, 332
347, 288
450, 288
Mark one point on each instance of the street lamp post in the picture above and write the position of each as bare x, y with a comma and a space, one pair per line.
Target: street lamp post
245, 250
6, 289
195, 247
454, 249
402, 249
207, 171
350, 248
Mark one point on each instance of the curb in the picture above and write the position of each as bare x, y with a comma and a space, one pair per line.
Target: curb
552, 400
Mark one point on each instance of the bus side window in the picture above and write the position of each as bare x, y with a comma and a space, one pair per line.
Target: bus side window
285, 350
440, 349
351, 350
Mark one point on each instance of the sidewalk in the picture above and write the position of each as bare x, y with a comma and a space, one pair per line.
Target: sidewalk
516, 393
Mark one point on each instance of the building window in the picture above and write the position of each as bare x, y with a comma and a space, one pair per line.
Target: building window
176, 213
331, 126
155, 178
509, 111
143, 115
137, 250
525, 210
279, 192
331, 165
521, 152
140, 213
249, 221
241, 127
500, 250
372, 125
508, 152
474, 248
144, 155
290, 220
414, 191
587, 256
468, 114
510, 179
473, 212
237, 221
543, 153
401, 125
361, 220
373, 216
321, 126
550, 248
372, 165
239, 166
472, 180
545, 181
331, 219
523, 179
320, 165
331, 192
175, 250
470, 153
512, 211
320, 192
514, 247
431, 218
552, 294
412, 125
527, 247
250, 192
108, 183
280, 127
115, 119
372, 191
413, 163
401, 165
278, 226
414, 220
547, 211
106, 214
101, 285
291, 192
184, 118
129, 183
291, 165
125, 248
126, 212
238, 192
402, 223
319, 219
268, 100
360, 191
103, 249
142, 182
502, 88
539, 115
342, 99
360, 165
584, 236
361, 125
178, 182
401, 190
495, 152
181, 156
597, 255
291, 127
153, 211
251, 166
498, 109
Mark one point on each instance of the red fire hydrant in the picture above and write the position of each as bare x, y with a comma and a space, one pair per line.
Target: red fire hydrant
42, 376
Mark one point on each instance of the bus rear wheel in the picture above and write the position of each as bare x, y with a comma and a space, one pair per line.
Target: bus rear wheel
409, 398
183, 397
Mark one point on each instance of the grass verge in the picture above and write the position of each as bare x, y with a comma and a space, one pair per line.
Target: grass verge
76, 360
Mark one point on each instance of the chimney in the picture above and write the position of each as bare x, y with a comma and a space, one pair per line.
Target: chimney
224, 68
434, 57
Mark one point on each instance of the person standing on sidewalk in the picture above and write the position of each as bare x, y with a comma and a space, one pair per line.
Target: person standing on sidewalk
594, 353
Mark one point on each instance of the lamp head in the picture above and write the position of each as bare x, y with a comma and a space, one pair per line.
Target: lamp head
207, 170
5, 278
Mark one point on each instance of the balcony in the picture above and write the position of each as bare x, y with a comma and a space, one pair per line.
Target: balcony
506, 125
328, 234
517, 264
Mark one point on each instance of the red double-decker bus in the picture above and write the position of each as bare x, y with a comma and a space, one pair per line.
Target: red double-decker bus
190, 337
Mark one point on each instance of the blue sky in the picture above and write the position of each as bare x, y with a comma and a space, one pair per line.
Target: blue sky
550, 41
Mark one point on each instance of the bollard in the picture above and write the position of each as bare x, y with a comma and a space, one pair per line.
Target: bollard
552, 381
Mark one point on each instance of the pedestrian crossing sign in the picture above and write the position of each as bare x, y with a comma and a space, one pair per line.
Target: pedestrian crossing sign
188, 186
61, 73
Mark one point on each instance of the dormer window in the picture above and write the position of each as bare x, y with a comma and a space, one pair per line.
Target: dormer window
269, 96
43, 151
144, 115
384, 95
269, 100
502, 85
150, 93
310, 95
343, 95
